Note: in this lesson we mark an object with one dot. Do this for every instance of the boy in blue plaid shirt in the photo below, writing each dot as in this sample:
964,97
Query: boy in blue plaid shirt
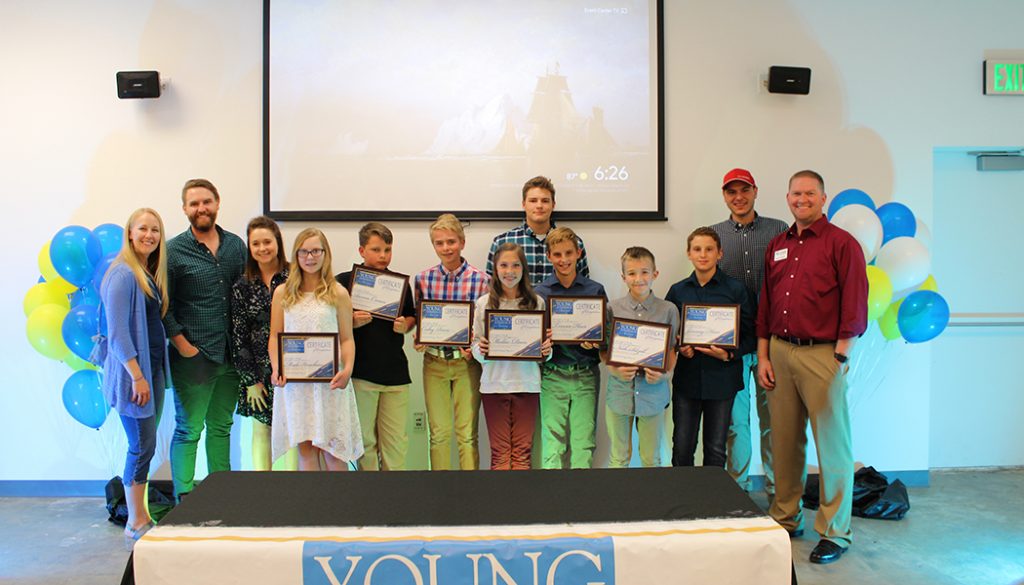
538,204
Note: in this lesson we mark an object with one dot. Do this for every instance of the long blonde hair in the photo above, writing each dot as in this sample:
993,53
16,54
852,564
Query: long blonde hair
325,290
156,264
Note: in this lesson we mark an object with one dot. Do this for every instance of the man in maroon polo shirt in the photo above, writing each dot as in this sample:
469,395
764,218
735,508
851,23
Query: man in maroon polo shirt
813,304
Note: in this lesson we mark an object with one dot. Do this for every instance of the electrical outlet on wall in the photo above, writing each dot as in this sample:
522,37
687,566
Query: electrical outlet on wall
419,421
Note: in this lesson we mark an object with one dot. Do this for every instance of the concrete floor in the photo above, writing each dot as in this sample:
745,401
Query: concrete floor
966,528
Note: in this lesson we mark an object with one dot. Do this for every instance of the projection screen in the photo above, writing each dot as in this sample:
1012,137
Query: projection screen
409,108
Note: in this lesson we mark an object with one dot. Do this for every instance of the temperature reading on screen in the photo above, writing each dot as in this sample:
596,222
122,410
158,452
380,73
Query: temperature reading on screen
611,173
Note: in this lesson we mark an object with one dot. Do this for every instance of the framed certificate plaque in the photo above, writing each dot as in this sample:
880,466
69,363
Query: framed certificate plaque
446,323
307,357
514,335
640,343
576,319
378,292
705,325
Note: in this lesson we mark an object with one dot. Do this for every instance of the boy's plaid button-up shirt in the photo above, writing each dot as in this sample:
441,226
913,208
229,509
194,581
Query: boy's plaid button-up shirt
466,283
536,253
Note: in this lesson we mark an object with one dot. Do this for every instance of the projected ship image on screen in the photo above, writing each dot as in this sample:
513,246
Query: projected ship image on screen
401,107
552,137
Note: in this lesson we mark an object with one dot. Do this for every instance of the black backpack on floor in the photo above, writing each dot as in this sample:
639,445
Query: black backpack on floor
161,500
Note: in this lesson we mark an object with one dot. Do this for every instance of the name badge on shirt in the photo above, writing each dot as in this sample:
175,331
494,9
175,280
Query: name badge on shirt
781,254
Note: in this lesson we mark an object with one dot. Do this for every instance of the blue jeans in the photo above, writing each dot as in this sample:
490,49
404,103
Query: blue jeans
141,433
738,444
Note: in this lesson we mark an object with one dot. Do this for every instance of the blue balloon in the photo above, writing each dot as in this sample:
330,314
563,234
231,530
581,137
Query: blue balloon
111,236
849,197
101,270
83,398
79,326
897,221
87,295
923,315
74,252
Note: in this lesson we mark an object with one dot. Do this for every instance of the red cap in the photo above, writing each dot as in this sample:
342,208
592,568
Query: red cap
742,175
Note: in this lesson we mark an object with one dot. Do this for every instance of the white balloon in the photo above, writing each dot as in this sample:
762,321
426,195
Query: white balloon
863,224
906,260
924,234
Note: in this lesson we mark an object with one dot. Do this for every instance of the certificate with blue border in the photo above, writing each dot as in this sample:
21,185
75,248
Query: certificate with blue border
705,325
640,343
445,323
378,292
514,335
576,319
307,357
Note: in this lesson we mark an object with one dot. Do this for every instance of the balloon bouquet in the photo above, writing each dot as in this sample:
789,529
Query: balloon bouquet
902,294
65,312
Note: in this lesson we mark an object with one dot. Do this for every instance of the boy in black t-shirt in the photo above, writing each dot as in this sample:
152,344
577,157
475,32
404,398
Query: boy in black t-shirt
381,372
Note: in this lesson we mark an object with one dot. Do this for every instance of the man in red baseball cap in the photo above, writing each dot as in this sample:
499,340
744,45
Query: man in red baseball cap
745,236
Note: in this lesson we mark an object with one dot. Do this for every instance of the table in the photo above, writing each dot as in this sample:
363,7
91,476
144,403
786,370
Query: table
601,526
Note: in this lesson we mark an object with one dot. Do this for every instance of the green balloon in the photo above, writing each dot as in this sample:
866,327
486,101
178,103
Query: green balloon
879,292
887,322
44,331
77,364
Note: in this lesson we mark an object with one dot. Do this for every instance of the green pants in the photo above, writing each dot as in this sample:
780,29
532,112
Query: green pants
568,414
205,396
651,431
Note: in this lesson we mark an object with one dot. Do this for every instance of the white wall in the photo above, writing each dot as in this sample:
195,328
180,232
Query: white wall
890,82
976,393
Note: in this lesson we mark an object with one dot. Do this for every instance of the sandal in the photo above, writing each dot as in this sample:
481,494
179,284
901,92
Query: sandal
131,536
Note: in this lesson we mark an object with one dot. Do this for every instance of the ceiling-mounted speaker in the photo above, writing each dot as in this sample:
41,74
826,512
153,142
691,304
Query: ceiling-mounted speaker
793,80
138,84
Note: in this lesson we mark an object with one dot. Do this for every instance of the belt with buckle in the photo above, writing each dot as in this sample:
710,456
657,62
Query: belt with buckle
807,342
445,353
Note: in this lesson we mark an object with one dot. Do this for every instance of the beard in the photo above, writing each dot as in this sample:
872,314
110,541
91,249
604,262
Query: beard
203,222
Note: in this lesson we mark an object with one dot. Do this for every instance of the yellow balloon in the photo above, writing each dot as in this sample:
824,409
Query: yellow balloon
929,284
76,363
879,292
887,322
50,274
43,330
44,293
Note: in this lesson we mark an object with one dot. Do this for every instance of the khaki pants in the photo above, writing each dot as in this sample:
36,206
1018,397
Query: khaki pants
810,385
383,411
651,431
447,385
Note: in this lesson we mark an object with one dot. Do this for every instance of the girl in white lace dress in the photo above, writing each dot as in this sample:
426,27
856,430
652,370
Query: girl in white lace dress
319,418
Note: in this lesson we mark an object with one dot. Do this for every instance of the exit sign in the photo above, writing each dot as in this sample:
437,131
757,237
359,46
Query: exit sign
1004,78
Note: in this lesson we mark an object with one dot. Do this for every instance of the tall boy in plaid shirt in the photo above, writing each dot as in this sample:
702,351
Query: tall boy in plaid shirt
451,377
538,204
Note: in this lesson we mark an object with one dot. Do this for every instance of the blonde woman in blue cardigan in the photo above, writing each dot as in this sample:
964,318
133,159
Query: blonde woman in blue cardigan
135,367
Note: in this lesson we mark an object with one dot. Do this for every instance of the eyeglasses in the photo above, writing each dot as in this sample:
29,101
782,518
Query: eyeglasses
314,253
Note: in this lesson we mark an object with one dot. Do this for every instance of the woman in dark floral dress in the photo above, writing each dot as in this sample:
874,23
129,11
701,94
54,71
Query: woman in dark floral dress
265,268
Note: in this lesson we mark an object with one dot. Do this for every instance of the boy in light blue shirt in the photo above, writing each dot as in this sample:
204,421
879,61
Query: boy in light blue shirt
639,393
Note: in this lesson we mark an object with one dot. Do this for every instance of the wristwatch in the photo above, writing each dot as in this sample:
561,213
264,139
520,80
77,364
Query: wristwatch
840,357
